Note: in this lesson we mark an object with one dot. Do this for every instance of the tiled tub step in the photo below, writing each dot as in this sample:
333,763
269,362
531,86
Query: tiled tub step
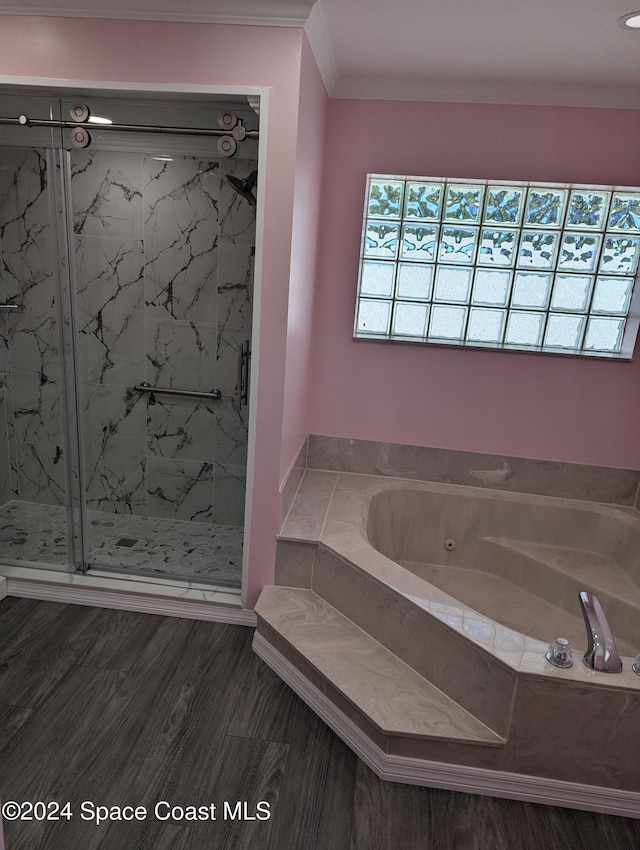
368,681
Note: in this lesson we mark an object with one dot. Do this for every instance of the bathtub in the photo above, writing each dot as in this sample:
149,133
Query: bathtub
467,587
519,560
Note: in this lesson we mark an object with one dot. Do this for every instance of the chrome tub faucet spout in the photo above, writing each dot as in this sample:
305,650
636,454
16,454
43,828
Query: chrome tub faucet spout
601,653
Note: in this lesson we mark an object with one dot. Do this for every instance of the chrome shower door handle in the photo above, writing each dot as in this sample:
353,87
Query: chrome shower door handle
242,381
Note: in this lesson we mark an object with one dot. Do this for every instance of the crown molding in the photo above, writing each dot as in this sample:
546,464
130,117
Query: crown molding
320,43
430,89
276,13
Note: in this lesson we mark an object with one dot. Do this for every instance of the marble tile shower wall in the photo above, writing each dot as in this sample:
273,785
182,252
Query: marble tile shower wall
164,277
31,426
164,259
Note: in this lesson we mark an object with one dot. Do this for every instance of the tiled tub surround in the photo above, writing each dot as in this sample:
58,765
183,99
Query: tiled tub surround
474,469
574,726
164,256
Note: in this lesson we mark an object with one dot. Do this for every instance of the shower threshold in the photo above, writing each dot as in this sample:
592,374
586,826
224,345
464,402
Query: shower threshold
122,543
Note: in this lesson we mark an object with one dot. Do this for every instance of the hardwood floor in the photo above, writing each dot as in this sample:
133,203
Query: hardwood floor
117,708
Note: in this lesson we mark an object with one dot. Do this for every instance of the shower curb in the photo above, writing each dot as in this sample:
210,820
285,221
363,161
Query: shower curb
144,602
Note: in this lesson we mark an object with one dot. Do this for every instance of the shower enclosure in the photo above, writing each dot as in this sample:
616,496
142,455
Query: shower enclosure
126,293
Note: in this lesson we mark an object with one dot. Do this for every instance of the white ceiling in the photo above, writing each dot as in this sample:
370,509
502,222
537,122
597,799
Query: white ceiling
564,52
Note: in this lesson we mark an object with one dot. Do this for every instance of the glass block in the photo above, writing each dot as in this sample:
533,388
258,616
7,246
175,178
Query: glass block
571,292
414,281
531,290
587,209
423,200
524,328
381,239
463,203
579,252
625,212
447,322
452,284
620,254
545,207
492,287
497,247
604,334
564,331
458,244
373,316
410,319
504,204
385,198
419,242
486,325
537,250
377,279
612,295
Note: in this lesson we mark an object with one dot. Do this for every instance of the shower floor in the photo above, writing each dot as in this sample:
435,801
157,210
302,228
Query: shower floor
145,545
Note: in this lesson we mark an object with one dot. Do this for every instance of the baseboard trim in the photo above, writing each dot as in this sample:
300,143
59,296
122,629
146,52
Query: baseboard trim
472,780
145,602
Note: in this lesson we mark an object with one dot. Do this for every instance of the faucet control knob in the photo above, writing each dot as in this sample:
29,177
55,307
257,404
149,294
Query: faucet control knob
560,653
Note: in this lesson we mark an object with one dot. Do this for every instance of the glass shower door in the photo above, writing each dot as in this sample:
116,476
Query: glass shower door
38,485
162,280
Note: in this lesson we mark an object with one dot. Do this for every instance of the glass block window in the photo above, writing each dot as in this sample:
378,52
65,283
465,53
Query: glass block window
499,264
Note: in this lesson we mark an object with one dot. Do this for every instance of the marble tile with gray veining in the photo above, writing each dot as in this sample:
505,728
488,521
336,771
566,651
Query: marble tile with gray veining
36,408
41,474
110,307
522,475
34,341
114,431
106,190
182,428
235,286
112,350
25,232
109,275
229,493
181,355
181,237
231,431
180,489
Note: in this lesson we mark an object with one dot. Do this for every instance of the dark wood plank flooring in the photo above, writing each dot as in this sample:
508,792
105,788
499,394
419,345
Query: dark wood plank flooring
118,708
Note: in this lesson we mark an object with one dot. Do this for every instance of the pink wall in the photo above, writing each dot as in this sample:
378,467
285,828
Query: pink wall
202,54
314,105
551,407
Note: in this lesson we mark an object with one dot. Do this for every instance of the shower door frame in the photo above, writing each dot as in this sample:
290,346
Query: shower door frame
88,88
